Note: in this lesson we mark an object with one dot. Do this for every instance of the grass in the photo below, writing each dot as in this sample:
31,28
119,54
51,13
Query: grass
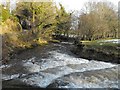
54,41
15,40
41,41
105,47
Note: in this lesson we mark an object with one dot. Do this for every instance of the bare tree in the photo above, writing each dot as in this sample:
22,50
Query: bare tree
98,20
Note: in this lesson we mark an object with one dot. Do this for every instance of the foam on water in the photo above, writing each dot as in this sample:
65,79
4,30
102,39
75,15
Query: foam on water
57,65
8,77
112,41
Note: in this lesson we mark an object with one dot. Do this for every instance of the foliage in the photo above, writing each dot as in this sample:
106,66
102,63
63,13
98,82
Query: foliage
63,21
31,24
4,13
99,20
34,23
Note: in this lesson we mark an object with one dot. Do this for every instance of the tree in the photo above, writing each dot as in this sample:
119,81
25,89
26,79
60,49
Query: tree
98,20
5,13
40,16
63,21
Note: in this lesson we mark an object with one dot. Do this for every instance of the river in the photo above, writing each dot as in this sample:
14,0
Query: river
55,66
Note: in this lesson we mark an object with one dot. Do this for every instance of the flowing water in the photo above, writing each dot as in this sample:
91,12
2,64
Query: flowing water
56,67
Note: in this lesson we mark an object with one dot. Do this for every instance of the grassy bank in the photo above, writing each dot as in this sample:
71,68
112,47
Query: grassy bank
103,50
15,40
101,46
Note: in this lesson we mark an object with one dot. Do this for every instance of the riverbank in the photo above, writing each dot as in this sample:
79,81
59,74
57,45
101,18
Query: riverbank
102,50
11,48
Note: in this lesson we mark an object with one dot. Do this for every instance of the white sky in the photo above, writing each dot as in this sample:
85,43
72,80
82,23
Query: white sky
71,5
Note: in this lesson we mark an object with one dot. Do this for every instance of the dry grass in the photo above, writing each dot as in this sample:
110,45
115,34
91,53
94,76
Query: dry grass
14,38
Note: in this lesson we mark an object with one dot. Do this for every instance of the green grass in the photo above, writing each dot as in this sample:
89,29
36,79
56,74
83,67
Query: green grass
106,47
54,41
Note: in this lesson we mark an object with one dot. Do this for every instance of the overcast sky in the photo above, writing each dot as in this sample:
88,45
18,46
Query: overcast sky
71,5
